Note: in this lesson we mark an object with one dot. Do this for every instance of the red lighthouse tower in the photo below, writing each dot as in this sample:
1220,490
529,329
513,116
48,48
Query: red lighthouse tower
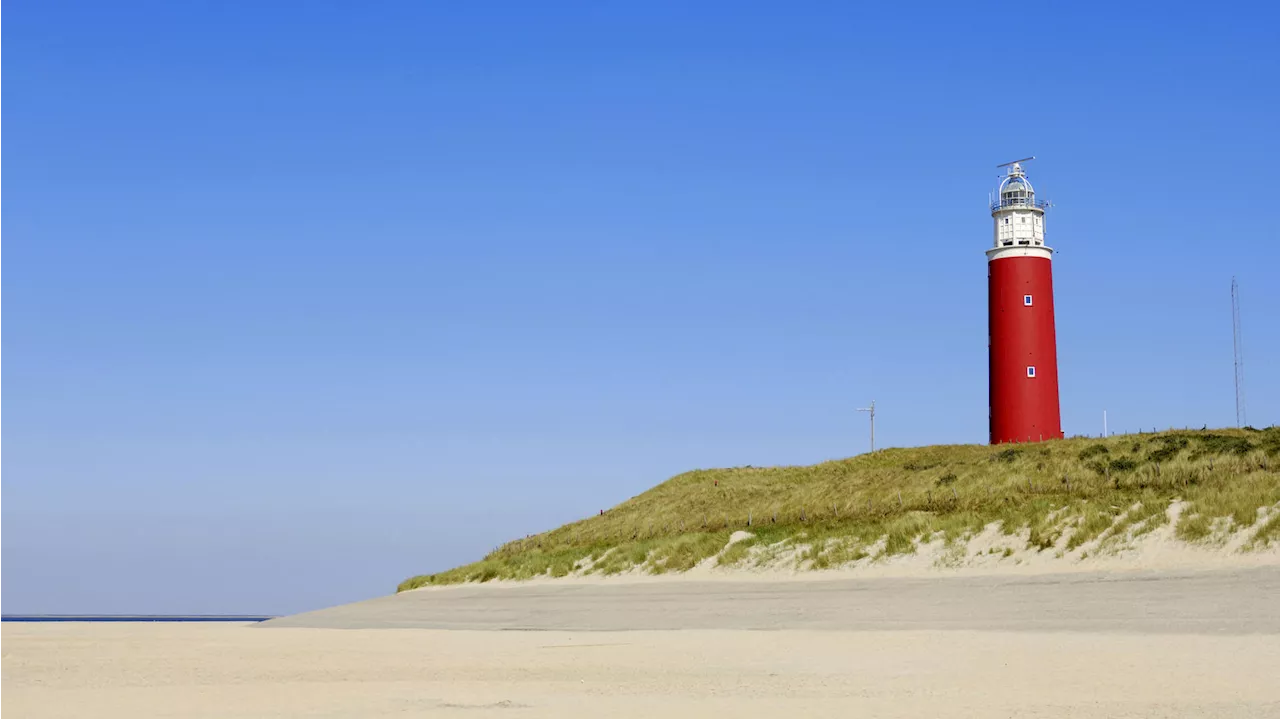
1023,349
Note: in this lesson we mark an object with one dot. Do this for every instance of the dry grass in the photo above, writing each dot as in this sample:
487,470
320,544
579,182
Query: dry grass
843,507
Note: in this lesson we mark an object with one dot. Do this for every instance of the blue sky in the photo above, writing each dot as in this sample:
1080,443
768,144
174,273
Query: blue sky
305,299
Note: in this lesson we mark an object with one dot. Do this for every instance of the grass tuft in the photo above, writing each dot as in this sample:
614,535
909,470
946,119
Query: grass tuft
1267,533
1092,451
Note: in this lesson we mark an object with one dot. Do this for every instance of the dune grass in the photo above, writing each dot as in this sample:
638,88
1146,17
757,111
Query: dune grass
889,500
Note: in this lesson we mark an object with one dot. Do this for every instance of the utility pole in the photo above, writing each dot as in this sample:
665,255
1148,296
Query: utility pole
872,411
1237,345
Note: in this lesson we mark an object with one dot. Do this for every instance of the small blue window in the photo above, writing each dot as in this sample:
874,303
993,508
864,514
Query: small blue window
1026,300
1031,371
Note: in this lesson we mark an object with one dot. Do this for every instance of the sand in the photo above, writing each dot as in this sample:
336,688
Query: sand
1227,601
202,670
1145,628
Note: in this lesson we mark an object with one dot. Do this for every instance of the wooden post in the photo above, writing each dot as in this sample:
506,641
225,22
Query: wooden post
954,496
899,497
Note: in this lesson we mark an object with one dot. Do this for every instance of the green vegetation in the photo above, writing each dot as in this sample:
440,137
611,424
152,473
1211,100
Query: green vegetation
735,553
1063,494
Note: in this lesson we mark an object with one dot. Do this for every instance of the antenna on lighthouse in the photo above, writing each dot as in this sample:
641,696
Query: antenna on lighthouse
1016,162
1237,346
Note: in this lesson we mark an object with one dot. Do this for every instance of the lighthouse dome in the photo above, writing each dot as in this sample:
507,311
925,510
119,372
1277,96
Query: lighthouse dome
1016,188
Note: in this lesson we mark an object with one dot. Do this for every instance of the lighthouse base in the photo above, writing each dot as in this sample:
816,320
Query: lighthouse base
1023,348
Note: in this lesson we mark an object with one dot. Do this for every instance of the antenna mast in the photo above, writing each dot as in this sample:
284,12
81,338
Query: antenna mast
872,411
1237,346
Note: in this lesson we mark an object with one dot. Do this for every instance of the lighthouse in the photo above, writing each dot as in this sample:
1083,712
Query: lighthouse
1023,351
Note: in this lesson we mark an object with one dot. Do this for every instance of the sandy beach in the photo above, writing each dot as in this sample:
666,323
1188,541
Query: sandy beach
165,670
1225,601
1211,648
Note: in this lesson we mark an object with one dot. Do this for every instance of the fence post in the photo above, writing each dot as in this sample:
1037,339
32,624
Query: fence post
748,518
954,496
899,497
